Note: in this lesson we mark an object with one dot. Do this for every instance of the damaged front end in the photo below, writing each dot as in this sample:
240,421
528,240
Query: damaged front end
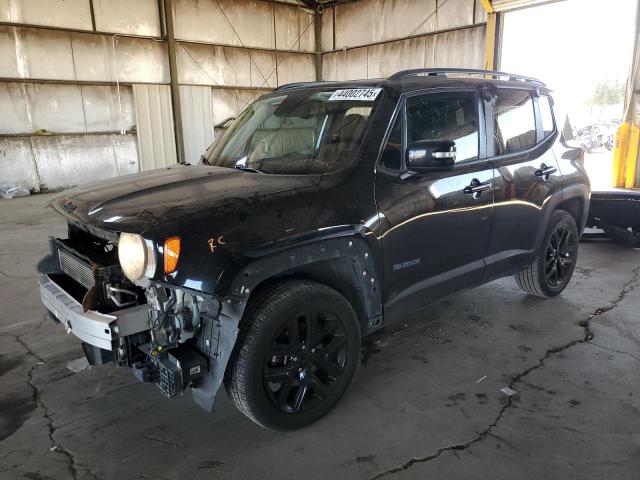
173,337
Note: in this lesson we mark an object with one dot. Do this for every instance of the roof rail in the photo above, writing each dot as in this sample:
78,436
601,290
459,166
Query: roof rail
443,72
287,86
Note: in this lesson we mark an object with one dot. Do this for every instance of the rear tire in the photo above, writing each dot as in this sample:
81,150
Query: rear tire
550,272
297,351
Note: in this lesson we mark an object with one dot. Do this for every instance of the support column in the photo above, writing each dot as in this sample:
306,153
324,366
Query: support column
492,45
626,161
317,25
173,72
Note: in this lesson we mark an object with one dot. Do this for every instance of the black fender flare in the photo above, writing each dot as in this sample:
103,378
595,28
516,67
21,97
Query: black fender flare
579,191
576,191
347,256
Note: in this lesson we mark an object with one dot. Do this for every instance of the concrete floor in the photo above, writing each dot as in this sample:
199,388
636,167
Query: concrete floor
418,407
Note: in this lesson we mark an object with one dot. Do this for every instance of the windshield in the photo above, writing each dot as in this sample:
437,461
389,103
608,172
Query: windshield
299,132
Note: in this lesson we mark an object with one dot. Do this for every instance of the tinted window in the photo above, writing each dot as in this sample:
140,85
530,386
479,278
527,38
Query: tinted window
545,114
451,116
514,121
392,154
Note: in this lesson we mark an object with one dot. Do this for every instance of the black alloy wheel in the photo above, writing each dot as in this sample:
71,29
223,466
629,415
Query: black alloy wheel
305,361
550,272
297,350
561,253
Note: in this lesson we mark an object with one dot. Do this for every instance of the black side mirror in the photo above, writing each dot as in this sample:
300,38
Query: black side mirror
431,155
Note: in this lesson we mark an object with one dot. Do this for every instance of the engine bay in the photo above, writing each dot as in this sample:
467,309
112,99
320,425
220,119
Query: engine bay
169,350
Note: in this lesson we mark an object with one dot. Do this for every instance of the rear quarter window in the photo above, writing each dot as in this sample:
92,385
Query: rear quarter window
546,115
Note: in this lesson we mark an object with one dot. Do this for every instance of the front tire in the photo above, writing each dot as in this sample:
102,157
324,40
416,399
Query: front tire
297,351
550,272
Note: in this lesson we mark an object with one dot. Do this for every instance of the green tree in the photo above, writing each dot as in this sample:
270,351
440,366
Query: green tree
607,92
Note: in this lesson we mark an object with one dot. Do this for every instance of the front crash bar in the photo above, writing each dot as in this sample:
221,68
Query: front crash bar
99,329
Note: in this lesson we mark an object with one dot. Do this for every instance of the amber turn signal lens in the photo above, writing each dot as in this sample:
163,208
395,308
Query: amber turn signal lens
171,254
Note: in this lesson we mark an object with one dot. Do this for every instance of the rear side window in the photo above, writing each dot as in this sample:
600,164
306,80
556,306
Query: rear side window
545,114
450,116
513,121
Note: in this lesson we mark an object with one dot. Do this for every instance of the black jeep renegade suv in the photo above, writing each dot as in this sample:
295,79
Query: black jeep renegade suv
323,211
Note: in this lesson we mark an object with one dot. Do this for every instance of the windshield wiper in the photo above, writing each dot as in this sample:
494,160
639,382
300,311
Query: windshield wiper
242,165
248,169
224,123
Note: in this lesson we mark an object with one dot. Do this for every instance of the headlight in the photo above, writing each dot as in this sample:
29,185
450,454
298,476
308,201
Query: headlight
136,257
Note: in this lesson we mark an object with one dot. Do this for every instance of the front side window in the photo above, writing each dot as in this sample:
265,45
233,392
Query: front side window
545,114
392,153
450,116
513,121
298,132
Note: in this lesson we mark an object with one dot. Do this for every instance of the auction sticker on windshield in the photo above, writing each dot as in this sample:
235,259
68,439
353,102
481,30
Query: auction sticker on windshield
361,94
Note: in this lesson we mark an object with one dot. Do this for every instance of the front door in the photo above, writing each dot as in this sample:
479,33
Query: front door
435,225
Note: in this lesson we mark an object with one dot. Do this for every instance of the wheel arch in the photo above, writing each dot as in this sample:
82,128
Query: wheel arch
346,264
575,200
578,207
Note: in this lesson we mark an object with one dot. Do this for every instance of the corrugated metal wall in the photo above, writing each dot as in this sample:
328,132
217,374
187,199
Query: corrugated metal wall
376,38
69,71
156,141
197,120
67,79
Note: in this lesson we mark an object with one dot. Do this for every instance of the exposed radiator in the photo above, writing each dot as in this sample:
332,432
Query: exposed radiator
76,268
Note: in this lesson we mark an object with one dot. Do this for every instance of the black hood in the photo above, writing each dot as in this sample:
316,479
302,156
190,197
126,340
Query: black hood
135,203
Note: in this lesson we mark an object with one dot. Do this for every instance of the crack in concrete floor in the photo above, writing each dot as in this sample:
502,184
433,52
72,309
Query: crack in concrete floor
47,414
622,352
629,286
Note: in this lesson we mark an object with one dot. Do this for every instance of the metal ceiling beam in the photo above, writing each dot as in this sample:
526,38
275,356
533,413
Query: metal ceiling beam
507,5
314,4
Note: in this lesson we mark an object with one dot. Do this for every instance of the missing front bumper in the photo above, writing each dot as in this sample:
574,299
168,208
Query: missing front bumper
202,370
98,329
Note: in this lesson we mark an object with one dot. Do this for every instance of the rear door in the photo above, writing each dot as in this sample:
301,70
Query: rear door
526,174
435,230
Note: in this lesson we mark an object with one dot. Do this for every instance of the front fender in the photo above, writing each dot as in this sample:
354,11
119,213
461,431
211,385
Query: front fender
346,258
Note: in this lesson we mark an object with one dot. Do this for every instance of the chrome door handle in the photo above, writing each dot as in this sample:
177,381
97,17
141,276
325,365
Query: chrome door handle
476,187
544,172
